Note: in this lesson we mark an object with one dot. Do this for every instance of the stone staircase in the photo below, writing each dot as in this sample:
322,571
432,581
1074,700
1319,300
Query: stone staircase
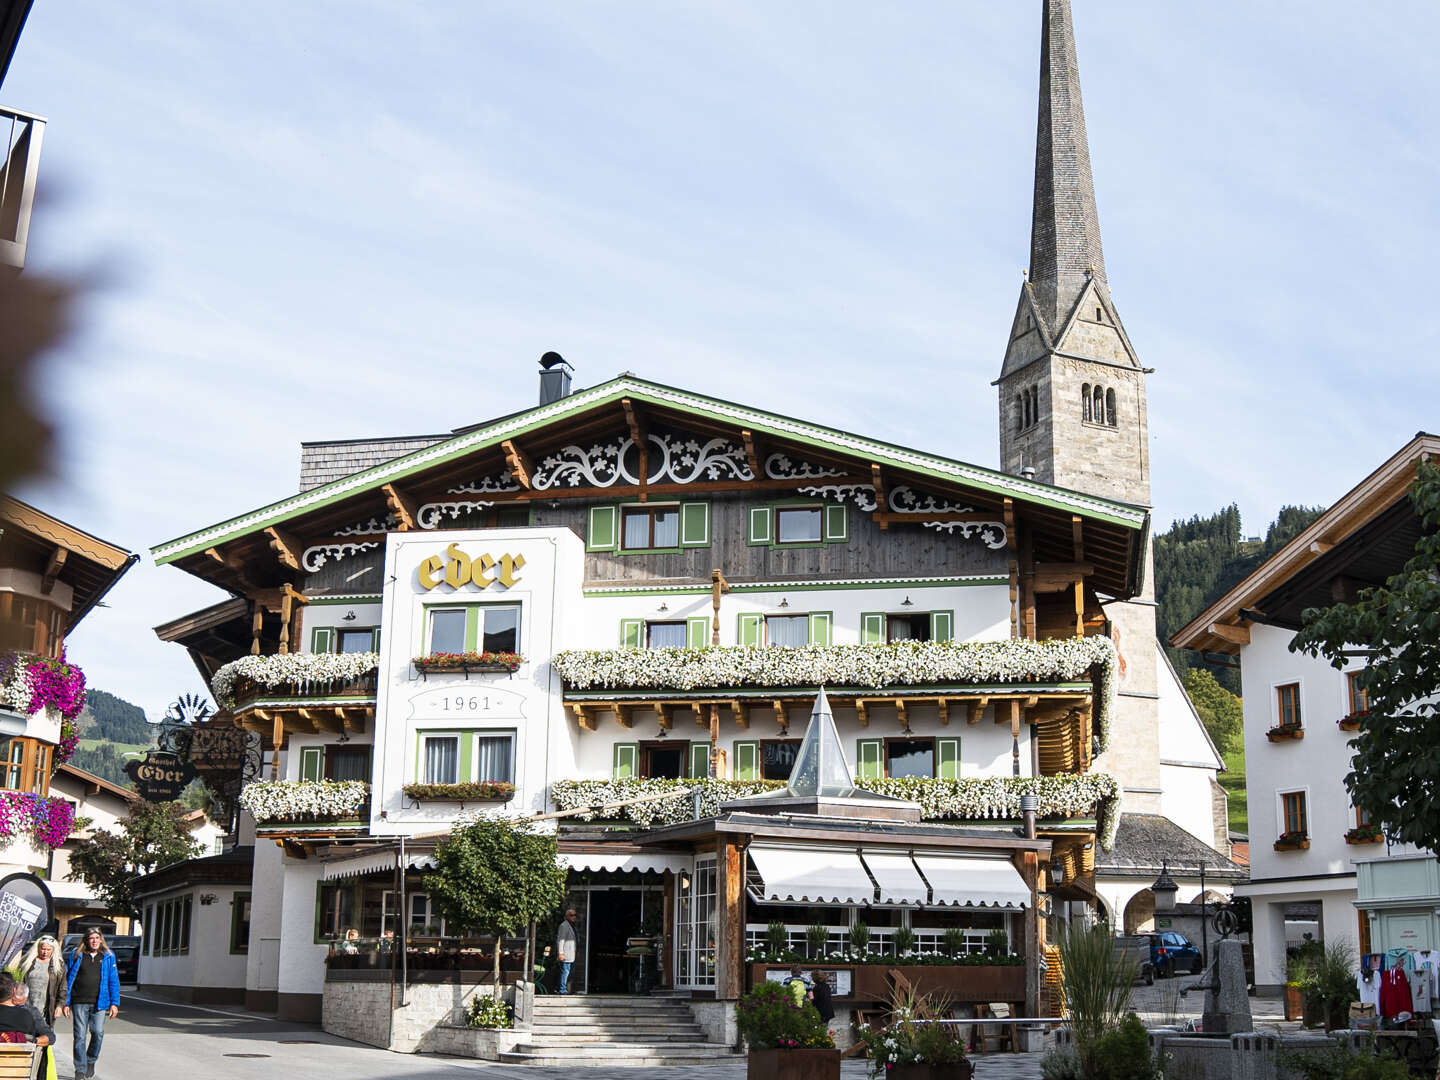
579,1030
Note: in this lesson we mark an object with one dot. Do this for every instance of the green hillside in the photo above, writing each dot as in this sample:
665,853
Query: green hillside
110,727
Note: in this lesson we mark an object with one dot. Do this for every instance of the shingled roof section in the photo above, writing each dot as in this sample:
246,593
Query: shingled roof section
1145,842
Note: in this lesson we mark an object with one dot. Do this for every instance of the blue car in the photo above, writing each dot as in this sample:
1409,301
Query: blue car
1172,954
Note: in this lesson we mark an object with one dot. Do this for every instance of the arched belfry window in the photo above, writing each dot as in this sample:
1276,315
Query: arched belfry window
1085,406
1099,405
1110,408
1019,414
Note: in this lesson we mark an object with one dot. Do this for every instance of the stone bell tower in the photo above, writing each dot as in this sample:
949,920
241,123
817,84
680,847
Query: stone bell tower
1072,390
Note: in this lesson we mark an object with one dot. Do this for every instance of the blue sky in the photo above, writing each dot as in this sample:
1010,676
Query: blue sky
334,220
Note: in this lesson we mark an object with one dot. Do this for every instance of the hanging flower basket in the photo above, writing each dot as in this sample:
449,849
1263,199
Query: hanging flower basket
1282,732
1292,841
469,663
31,683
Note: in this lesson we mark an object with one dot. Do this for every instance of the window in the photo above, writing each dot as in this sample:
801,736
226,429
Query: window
499,629
1292,809
424,920
1098,408
172,926
1359,696
1110,417
25,765
240,923
442,759
876,627
909,757
1288,702
1087,407
447,630
797,525
347,763
353,641
337,911
1019,415
665,635
495,758
777,758
787,631
145,930
1363,818
646,528
669,759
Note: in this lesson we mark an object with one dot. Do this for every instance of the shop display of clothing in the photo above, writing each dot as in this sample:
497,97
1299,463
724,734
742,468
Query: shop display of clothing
1395,997
1420,988
1367,987
1429,962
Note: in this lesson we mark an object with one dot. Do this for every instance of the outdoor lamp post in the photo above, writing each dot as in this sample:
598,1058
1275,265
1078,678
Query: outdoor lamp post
1164,889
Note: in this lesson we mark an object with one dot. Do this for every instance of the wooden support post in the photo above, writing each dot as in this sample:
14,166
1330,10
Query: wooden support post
277,739
640,436
861,712
1027,864
257,622
1077,537
714,728
752,457
900,713
1027,585
1015,735
1079,607
286,607
664,712
782,719
699,712
943,705
977,709
877,478
730,937
718,585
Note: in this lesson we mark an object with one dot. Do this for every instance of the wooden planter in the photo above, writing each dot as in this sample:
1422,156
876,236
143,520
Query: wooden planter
1364,839
1282,734
1348,723
1292,845
426,669
793,1065
962,1070
1294,1003
966,983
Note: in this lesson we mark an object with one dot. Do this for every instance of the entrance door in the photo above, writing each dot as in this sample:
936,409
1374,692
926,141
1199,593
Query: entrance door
614,916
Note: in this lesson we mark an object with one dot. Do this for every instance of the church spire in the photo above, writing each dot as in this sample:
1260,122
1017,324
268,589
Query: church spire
1065,227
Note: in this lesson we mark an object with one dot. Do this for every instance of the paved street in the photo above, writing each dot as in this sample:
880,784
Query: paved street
150,1039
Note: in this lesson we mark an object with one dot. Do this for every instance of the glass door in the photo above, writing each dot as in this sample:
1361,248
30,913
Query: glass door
695,927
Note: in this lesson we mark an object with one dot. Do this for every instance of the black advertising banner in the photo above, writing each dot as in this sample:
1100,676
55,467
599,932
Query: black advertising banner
25,910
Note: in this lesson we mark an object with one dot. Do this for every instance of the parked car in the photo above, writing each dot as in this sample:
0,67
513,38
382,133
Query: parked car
1136,949
125,947
1173,953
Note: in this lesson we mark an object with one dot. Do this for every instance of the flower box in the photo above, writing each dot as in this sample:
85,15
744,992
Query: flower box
793,1065
278,802
1292,842
959,982
1284,732
295,675
1353,721
1364,834
482,792
476,663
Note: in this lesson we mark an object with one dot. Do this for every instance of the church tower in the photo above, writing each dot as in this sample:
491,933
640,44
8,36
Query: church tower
1072,390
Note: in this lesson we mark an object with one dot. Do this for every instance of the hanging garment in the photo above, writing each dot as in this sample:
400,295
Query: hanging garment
1367,986
1429,962
1395,994
1420,988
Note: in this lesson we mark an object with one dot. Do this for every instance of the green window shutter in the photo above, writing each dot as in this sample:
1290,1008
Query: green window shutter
312,763
697,632
947,759
872,628
869,759
820,627
757,527
626,761
375,640
322,639
747,760
699,760
942,625
603,531
632,633
751,629
695,524
837,523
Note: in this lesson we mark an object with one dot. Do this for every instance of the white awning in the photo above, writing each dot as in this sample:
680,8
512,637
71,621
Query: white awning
812,875
374,862
973,881
585,860
900,882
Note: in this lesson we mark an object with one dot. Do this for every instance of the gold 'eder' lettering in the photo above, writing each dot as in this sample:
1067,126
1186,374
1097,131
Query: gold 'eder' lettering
460,569
428,569
509,565
480,573
457,567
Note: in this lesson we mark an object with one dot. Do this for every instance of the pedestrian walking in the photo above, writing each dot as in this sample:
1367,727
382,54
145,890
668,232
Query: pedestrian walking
93,991
43,970
565,947
824,999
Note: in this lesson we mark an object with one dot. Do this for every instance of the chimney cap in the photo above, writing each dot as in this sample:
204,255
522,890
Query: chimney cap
1028,472
553,359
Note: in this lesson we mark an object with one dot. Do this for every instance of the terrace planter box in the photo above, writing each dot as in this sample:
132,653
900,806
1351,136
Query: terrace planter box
427,666
962,1070
1283,734
1353,838
793,1065
960,982
461,793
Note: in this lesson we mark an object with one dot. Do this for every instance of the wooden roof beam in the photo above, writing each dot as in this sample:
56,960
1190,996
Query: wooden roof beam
584,720
287,549
782,718
520,464
943,705
624,716
402,506
699,712
741,713
1077,537
977,709
53,567
666,714
861,712
902,714
752,453
877,478
1236,635
640,436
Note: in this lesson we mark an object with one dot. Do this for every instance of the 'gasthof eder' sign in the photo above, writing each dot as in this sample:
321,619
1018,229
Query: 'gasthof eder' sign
457,569
160,776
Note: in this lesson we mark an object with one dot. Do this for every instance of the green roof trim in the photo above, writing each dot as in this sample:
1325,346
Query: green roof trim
773,424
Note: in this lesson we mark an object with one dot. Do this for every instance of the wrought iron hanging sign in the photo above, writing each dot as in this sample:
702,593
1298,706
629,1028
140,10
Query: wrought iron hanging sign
160,776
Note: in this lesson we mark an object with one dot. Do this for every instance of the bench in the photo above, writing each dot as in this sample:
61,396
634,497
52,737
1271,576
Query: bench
19,1061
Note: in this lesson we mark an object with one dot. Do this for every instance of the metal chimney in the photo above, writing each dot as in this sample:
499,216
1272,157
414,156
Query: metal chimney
554,378
1028,472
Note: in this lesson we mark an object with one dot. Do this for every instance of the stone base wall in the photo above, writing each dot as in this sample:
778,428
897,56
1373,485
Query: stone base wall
717,1020
430,1022
471,1042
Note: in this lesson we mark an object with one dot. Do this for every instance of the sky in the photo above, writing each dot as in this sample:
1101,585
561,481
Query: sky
346,219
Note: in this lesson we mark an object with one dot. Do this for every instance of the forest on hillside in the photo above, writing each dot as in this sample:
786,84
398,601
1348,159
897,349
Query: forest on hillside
1198,560
110,727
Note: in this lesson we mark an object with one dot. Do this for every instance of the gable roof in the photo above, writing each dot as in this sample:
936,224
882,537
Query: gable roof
575,417
31,539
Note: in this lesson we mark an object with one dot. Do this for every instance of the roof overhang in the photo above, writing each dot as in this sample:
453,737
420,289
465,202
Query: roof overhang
34,540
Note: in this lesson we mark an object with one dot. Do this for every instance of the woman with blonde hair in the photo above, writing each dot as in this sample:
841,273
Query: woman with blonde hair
42,968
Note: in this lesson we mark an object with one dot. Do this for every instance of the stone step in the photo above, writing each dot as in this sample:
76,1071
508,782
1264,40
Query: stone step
667,1030
575,1001
560,1039
629,1056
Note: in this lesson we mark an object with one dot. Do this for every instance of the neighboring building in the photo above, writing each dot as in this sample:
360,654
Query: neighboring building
583,538
23,134
99,806
51,576
1307,838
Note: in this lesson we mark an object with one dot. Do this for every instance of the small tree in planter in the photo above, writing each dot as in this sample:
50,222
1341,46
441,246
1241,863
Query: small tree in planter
777,939
954,942
860,938
786,1040
997,943
497,877
817,937
904,940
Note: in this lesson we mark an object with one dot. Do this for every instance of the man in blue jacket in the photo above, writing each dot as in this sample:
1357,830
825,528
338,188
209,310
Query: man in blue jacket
93,994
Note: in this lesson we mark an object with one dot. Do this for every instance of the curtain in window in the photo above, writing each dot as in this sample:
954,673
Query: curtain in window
637,530
667,635
495,756
667,528
792,631
442,761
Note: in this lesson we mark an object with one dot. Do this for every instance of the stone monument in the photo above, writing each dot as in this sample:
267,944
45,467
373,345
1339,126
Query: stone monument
1227,1005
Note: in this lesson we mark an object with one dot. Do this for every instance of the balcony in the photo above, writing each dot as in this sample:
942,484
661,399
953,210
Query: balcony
40,697
299,692
17,182
308,808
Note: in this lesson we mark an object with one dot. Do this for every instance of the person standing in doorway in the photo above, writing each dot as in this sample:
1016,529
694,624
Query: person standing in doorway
93,990
565,947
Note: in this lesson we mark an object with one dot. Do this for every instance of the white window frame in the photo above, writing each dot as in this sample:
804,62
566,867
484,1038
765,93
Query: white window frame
425,737
818,511
495,733
1280,794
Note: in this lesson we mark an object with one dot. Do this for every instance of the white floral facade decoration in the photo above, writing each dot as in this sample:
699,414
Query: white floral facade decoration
869,667
676,459
298,672
979,798
304,800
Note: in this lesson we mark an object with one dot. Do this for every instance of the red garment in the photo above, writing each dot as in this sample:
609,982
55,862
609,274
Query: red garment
1395,993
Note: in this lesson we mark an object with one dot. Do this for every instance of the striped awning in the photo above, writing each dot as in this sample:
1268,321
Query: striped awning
625,861
371,861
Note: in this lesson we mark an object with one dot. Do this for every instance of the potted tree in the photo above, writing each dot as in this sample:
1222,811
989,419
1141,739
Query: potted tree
912,1046
787,1040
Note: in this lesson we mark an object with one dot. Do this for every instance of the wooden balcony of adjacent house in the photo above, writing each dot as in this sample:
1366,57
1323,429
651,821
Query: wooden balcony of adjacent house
17,182
300,813
302,693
